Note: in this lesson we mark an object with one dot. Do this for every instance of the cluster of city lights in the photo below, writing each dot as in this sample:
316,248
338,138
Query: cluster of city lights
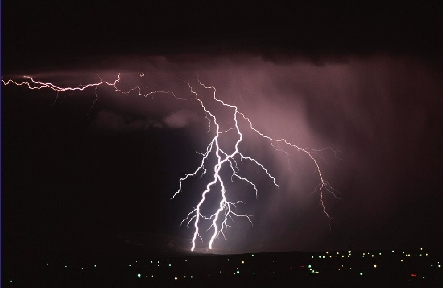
178,268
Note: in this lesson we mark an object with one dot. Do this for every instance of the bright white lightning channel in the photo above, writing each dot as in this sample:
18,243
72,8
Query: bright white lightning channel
226,209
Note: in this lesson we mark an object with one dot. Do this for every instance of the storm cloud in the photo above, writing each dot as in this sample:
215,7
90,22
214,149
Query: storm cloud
374,125
381,117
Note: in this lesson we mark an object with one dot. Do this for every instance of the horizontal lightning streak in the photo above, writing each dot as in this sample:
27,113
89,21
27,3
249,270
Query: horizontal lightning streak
37,85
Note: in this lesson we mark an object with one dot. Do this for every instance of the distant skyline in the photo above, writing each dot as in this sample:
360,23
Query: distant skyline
81,170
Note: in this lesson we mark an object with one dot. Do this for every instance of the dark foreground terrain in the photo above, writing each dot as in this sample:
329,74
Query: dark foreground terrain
395,268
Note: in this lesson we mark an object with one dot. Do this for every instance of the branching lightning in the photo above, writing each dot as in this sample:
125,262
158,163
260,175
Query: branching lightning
226,210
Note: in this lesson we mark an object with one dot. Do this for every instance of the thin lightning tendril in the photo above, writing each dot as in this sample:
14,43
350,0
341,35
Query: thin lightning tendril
226,210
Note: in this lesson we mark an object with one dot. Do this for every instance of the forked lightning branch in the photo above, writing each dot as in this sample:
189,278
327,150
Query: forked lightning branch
224,213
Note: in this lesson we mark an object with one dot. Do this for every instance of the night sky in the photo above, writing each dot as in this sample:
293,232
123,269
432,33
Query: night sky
84,172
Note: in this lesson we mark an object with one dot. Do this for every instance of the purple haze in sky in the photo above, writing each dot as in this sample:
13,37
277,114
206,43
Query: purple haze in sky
382,115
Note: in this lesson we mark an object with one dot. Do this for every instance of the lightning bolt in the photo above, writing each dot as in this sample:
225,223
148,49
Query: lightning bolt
38,85
226,210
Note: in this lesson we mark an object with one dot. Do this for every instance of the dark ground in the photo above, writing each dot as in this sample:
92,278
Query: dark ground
409,268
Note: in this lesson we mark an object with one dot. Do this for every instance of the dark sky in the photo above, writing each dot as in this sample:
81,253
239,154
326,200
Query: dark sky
80,171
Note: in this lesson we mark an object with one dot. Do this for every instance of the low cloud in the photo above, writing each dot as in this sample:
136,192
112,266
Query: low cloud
110,121
180,119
